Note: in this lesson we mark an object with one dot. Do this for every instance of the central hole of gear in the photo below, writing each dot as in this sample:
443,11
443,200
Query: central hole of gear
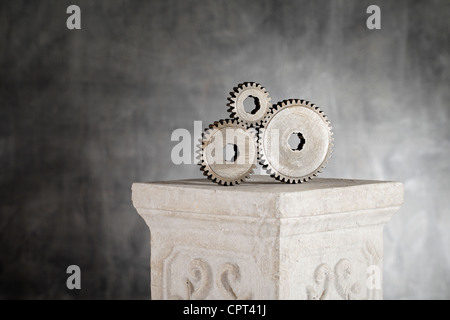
251,105
296,141
230,152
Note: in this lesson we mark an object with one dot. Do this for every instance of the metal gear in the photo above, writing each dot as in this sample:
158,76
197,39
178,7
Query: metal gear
236,103
306,123
215,140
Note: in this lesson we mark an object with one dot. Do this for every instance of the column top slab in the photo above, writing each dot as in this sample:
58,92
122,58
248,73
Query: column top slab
262,196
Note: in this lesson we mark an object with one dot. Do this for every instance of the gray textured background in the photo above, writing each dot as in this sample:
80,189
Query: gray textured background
85,113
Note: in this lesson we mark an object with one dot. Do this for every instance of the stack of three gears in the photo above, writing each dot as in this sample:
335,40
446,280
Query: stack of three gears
291,139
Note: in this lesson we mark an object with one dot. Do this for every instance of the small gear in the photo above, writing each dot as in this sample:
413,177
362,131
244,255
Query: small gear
304,122
219,139
261,99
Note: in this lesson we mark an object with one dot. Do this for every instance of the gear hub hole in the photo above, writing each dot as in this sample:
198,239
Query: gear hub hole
296,141
230,152
251,105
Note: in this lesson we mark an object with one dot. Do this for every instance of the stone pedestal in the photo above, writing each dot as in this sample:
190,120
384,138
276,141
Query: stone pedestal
265,239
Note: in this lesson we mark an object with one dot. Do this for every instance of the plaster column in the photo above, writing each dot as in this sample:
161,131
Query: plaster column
265,239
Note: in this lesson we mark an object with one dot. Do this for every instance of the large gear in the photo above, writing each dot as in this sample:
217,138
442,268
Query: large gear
213,162
306,122
261,99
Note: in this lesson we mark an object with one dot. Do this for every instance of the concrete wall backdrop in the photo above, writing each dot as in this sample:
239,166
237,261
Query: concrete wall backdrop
85,113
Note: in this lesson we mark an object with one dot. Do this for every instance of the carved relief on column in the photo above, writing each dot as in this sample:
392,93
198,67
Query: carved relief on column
345,287
196,274
197,282
323,276
345,278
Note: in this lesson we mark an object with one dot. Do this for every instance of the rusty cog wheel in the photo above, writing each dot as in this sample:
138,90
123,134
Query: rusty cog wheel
295,141
223,137
261,102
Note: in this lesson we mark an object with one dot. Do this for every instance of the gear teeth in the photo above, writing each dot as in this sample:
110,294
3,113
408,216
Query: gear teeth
236,108
198,153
